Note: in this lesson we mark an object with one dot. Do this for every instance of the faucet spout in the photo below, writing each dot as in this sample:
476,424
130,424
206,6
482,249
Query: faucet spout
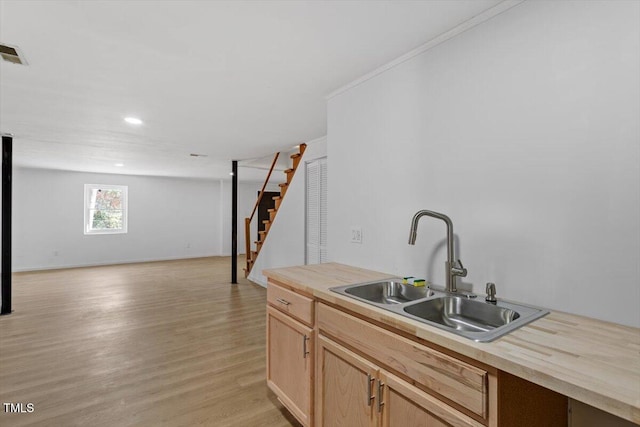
452,270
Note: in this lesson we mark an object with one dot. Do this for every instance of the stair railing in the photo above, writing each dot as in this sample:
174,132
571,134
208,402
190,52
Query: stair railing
247,221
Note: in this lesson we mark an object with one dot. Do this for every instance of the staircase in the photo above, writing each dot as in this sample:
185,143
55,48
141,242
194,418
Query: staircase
252,255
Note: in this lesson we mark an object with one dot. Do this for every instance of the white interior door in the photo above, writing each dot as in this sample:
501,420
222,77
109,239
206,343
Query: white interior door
316,211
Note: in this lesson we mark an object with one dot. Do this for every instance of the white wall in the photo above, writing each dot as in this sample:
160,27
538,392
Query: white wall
525,131
285,244
168,218
196,223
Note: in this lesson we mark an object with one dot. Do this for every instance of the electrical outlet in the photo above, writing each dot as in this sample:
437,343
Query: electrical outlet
356,234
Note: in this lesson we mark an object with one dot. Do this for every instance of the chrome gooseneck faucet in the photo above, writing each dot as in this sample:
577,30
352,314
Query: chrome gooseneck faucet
452,270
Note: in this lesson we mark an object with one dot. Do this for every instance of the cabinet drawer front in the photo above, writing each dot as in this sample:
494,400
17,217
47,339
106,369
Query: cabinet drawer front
294,304
451,378
405,405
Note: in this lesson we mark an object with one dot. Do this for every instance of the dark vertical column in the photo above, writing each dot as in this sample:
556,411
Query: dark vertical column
234,222
7,167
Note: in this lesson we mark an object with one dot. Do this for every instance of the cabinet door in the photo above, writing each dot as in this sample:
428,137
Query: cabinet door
345,387
290,363
404,405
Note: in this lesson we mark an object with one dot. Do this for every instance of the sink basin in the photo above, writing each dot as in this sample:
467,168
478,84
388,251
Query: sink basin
387,292
463,314
458,313
473,319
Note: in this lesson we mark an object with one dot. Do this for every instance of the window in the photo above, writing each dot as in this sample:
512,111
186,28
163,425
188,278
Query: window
105,209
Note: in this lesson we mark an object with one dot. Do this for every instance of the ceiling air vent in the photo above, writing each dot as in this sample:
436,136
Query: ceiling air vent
12,54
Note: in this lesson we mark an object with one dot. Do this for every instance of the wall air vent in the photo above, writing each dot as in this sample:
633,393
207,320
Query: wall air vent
12,54
198,155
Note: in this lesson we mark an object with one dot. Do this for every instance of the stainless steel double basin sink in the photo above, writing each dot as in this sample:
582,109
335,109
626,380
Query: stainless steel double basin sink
461,314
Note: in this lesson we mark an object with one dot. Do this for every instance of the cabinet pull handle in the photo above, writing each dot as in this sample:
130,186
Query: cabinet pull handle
304,347
283,301
380,389
370,395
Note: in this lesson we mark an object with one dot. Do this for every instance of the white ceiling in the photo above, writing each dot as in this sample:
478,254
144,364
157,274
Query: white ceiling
229,79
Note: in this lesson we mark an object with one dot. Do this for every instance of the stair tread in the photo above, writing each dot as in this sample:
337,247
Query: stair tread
266,221
289,170
272,210
284,184
276,197
295,155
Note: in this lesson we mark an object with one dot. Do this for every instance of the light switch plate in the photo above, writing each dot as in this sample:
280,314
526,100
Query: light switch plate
356,234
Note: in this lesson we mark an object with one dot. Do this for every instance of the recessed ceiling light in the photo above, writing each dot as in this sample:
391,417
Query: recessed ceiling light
119,164
133,120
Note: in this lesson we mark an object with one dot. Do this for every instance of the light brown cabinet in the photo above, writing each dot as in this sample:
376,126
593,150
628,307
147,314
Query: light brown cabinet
330,367
290,355
373,376
352,391
464,385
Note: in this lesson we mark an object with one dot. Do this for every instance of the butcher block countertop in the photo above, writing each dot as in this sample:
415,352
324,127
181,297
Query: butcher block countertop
592,361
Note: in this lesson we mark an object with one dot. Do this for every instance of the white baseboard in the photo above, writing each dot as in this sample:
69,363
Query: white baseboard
115,262
257,281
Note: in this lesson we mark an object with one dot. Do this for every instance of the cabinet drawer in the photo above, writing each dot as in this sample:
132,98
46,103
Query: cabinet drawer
405,404
449,377
294,304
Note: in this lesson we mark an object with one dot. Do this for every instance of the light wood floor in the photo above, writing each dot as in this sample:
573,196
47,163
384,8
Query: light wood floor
164,343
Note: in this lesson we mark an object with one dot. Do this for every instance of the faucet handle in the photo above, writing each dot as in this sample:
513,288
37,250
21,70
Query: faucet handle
459,271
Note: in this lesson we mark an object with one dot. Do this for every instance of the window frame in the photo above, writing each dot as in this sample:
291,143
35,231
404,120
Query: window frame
87,208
